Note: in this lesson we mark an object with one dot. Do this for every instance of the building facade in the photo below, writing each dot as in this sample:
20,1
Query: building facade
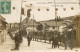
3,31
78,31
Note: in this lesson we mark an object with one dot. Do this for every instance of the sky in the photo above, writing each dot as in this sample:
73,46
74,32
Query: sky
43,5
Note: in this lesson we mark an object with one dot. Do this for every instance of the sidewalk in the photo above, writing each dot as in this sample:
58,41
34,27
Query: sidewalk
34,47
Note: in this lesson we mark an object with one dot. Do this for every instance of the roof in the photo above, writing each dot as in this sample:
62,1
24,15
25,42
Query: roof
2,19
62,21
52,23
32,23
25,20
48,22
69,18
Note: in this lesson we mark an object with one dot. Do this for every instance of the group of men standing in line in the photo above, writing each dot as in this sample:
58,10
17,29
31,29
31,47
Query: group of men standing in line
67,39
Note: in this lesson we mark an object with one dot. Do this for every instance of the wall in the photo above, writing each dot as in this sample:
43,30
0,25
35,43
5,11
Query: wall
3,34
78,32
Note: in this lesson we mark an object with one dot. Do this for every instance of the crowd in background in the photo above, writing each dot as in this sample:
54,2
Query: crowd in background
66,39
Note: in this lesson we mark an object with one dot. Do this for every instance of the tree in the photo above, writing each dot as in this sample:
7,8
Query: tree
40,27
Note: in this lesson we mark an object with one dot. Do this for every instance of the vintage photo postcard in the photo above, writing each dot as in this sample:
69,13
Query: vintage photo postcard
39,25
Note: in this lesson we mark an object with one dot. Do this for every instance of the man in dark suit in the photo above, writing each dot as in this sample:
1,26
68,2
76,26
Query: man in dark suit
55,41
29,38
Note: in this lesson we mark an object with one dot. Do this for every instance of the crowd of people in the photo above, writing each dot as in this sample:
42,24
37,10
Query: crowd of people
65,39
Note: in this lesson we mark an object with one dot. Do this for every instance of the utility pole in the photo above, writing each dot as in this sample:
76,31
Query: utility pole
20,19
33,22
33,27
56,16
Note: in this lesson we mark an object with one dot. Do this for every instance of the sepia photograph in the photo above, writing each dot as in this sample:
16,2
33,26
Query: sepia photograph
39,25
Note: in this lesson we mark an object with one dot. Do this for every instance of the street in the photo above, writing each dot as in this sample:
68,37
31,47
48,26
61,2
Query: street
40,26
34,47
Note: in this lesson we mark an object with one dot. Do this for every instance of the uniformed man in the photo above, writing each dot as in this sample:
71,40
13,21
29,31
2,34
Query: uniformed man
29,38
18,41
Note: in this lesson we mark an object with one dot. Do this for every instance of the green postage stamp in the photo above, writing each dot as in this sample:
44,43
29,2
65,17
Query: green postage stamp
5,6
